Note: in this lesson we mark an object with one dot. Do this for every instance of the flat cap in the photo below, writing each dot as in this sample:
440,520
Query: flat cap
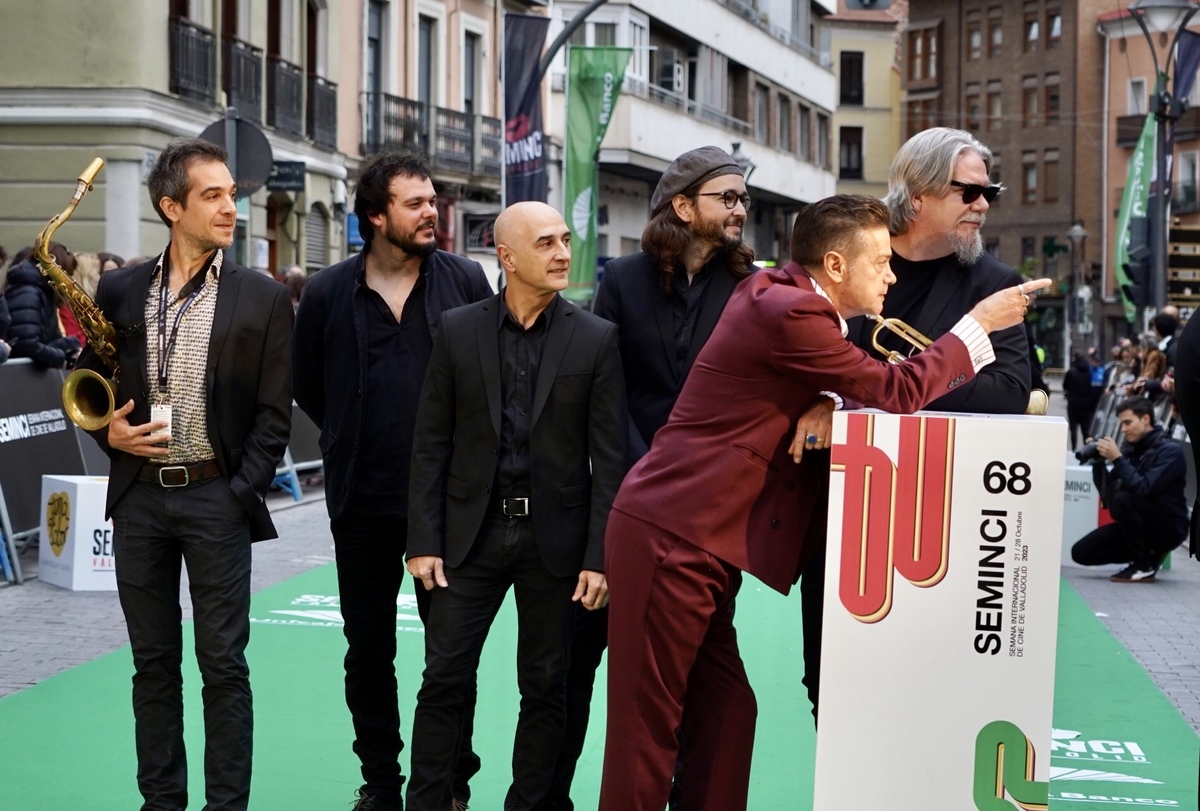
691,169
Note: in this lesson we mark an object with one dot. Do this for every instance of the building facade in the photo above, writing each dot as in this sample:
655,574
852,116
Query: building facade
753,79
867,122
1027,78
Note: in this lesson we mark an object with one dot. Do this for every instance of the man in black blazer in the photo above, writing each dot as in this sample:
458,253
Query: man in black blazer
364,332
520,447
665,301
205,395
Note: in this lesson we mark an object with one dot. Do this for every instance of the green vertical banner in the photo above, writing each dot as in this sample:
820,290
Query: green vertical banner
1133,204
594,80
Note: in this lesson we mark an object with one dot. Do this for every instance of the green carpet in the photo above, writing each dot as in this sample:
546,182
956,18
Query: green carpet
68,743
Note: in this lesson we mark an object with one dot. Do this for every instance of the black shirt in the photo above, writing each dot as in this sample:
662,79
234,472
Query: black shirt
397,357
685,309
906,297
520,356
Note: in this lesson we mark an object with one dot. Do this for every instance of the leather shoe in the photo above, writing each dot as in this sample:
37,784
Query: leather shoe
369,802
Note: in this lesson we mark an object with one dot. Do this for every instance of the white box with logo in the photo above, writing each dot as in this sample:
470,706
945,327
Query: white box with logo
1081,508
76,550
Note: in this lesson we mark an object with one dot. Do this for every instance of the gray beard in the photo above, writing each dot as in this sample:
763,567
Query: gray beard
967,250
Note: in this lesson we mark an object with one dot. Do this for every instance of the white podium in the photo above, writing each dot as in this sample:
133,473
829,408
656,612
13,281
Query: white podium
76,549
941,612
1081,508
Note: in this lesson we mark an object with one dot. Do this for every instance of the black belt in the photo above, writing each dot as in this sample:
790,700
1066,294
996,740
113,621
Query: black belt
179,475
513,507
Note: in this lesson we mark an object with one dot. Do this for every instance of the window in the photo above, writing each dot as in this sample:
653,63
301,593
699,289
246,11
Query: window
1137,97
1053,29
605,35
972,107
850,153
995,31
919,115
1028,249
1052,99
1050,176
426,59
1033,34
1029,177
852,78
992,246
471,50
974,36
994,108
785,124
822,140
1030,101
374,70
994,178
762,113
922,54
804,147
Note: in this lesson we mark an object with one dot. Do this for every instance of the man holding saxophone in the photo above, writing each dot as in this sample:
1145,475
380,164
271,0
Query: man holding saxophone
204,390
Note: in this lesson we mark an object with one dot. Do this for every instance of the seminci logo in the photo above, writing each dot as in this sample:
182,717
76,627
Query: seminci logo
1004,761
895,517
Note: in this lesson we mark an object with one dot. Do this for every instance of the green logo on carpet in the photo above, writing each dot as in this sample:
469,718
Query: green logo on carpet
1004,760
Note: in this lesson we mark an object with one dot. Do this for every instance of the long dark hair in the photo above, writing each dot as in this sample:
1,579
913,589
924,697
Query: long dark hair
666,237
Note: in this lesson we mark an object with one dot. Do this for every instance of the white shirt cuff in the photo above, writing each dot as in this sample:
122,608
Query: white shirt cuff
979,345
838,403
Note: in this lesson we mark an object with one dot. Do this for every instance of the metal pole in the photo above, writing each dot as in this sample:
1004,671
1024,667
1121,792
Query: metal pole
1158,211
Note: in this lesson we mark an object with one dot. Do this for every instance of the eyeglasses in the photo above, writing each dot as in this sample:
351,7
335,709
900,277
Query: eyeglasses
972,191
729,198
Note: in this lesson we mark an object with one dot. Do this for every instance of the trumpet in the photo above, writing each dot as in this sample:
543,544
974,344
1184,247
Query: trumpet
1039,401
88,398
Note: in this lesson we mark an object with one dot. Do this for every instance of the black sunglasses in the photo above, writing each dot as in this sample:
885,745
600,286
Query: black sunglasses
729,198
972,191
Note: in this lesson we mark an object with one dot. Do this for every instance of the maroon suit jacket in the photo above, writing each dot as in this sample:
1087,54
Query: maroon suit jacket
719,474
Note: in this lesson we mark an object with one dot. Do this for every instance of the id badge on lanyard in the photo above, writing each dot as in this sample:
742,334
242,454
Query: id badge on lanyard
160,410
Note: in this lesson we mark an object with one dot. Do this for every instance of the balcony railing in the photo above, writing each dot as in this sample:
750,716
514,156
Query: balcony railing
680,104
760,18
193,61
243,78
322,112
454,141
285,97
1129,129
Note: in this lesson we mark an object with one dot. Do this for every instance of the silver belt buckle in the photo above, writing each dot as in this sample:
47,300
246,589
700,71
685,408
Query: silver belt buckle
187,477
519,507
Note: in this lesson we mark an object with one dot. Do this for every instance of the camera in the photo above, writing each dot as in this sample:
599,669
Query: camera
1088,453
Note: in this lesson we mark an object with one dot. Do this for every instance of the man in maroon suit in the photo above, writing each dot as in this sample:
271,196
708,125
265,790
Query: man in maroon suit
719,494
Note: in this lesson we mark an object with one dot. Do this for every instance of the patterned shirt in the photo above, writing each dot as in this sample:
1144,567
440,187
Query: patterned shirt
187,363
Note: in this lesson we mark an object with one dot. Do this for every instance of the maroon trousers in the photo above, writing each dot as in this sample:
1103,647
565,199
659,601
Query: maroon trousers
674,671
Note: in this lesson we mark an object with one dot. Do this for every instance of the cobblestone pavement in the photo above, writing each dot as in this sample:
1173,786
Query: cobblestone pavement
45,630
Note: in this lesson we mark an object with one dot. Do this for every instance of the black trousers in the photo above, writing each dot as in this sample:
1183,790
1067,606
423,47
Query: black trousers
157,529
812,615
369,550
460,616
1138,535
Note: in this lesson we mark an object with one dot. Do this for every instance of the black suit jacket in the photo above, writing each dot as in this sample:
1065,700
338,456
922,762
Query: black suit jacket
1187,397
631,296
577,442
330,353
249,380
1002,387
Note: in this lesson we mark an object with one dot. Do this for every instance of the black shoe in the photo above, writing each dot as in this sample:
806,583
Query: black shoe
1133,573
458,805
369,802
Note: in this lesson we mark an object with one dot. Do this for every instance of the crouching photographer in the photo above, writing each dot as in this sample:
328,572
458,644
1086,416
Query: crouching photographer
1144,491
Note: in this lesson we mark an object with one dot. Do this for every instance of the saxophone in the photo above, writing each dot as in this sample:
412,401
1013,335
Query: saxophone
88,398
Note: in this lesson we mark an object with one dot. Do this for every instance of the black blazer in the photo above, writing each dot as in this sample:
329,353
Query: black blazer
249,379
577,442
1002,386
1187,397
330,353
631,296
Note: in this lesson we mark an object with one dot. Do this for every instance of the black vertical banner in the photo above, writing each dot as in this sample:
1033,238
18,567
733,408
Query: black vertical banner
524,157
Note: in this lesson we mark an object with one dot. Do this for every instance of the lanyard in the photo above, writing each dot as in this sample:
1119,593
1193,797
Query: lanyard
166,346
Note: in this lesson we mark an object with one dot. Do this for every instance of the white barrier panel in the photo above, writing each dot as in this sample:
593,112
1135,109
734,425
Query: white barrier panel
76,550
941,612
1081,509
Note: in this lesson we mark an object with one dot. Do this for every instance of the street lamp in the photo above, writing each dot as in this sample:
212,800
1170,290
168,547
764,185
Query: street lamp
1081,292
1161,17
742,160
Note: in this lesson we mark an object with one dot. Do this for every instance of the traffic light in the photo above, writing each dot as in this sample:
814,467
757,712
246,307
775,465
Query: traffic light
1137,289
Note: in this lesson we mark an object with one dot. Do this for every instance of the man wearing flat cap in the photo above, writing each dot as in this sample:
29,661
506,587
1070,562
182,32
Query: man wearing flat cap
665,301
